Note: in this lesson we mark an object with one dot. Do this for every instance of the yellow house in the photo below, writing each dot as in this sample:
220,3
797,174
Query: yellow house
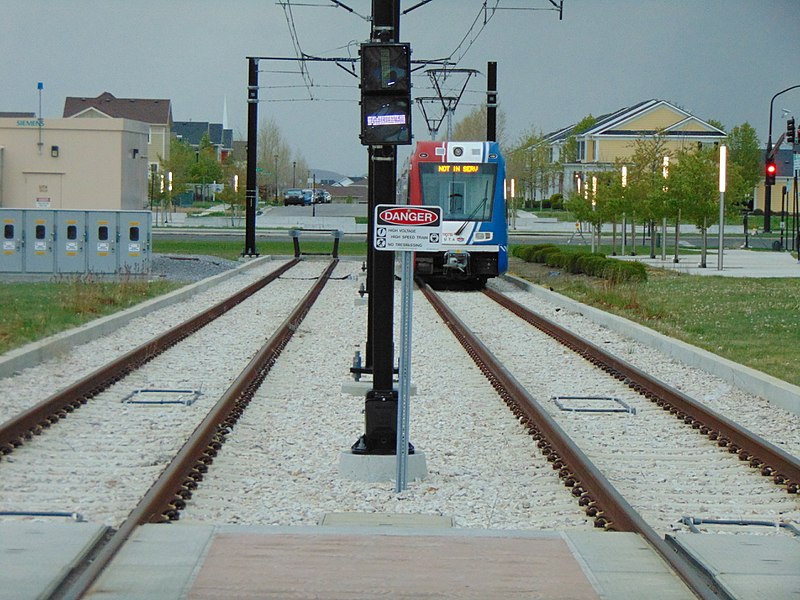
613,135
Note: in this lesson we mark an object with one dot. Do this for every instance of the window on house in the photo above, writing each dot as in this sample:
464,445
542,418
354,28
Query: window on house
581,150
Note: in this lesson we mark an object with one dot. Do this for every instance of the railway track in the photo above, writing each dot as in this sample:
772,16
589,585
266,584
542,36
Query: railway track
589,485
25,470
187,489
34,421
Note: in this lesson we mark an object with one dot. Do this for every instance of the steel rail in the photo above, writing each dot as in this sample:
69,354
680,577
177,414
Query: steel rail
34,420
167,496
758,452
599,498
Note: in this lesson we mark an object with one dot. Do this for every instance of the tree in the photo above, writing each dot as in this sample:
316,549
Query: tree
176,171
744,152
694,189
205,169
528,161
569,153
473,126
275,153
645,194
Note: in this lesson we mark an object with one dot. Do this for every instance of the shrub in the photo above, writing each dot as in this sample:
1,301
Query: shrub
557,202
596,264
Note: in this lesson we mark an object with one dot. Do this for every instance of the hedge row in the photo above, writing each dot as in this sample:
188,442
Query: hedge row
596,265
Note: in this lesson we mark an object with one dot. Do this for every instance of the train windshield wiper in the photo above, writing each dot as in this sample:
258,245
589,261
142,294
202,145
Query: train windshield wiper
480,206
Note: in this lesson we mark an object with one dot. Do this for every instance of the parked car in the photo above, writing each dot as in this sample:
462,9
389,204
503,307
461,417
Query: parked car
294,196
321,197
308,197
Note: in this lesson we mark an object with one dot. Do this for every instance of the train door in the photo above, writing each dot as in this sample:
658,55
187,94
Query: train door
101,242
70,241
39,241
12,238
134,242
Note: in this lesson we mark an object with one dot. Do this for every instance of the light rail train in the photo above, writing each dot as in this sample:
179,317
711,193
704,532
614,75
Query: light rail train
465,179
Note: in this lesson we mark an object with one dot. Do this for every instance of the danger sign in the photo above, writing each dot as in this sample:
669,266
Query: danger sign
407,228
410,215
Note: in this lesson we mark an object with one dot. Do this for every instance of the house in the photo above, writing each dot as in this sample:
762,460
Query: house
193,131
613,136
156,113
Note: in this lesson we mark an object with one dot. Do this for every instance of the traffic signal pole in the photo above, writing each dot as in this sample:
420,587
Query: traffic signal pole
768,186
251,195
380,412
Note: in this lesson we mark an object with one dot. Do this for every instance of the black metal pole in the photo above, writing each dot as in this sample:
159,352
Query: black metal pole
251,194
491,102
768,188
380,411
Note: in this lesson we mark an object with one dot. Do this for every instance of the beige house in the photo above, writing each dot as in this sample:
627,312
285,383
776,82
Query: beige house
73,163
612,138
157,113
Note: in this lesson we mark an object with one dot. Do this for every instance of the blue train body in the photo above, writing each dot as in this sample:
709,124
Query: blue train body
466,179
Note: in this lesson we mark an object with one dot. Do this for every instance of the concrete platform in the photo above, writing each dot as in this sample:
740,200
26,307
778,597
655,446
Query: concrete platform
754,568
167,562
35,556
356,556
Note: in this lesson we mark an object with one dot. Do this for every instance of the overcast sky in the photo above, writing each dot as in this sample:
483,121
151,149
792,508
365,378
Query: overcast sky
718,59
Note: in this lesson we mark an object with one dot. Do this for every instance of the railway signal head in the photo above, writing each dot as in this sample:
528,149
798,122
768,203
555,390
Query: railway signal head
770,171
385,94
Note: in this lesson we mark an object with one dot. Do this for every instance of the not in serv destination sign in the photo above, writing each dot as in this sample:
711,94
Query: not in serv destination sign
400,227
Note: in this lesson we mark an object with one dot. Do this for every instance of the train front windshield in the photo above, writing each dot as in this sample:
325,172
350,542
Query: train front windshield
463,190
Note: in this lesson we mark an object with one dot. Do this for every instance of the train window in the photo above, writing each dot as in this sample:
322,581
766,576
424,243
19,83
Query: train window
72,232
102,233
41,232
465,192
8,232
133,234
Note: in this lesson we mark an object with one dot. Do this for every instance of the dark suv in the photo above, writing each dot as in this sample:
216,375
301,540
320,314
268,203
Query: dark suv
293,196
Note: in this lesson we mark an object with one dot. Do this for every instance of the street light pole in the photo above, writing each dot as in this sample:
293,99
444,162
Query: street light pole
723,157
768,188
276,179
294,172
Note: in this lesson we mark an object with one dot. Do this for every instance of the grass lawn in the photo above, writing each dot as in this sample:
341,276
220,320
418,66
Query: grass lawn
32,311
755,322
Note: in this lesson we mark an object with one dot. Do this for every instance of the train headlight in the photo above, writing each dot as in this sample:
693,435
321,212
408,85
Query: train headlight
484,236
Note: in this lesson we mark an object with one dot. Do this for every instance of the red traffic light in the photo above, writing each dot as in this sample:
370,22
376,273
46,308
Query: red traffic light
770,172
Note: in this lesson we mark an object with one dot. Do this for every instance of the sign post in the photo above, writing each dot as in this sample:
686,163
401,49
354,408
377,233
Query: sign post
406,229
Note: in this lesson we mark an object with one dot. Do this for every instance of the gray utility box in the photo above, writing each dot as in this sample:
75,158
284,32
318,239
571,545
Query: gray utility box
75,241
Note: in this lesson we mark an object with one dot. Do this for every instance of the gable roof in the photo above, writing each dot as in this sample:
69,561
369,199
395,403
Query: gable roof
615,123
153,111
193,132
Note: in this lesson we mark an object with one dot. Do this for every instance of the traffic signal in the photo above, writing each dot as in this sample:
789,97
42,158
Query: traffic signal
770,171
790,131
385,94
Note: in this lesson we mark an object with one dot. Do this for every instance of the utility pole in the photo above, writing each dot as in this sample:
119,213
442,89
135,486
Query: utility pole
491,102
385,123
251,195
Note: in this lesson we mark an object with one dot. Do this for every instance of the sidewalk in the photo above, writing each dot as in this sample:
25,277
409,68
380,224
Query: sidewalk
735,263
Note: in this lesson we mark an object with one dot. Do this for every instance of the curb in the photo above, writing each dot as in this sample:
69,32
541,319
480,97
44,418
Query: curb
775,391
